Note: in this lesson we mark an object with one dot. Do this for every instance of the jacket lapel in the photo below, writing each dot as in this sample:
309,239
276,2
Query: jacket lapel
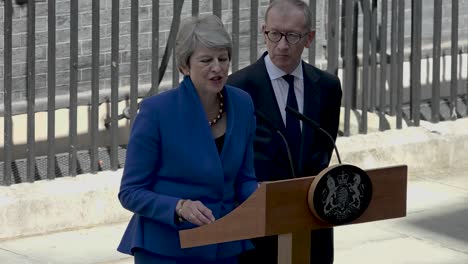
311,110
266,99
231,116
195,119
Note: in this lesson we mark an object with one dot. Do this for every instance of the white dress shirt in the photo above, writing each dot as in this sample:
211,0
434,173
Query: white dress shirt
281,87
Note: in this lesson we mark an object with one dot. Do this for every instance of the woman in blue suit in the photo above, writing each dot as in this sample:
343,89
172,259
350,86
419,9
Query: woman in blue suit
190,154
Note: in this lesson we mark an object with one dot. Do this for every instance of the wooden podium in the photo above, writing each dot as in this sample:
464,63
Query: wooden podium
282,208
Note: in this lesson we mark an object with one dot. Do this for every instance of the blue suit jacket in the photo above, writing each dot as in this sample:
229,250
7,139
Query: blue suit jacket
322,100
172,155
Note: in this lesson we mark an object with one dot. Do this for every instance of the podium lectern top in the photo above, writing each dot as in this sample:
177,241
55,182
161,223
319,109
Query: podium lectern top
282,207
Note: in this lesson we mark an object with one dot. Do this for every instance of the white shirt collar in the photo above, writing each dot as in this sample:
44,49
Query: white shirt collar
274,72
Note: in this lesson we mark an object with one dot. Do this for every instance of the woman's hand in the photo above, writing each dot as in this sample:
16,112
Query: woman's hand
195,212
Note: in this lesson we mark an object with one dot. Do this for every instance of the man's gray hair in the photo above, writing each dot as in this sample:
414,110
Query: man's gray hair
301,5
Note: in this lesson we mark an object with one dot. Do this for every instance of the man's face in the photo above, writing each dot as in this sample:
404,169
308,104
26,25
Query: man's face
284,55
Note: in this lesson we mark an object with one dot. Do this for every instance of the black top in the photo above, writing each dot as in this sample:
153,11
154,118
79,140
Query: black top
219,143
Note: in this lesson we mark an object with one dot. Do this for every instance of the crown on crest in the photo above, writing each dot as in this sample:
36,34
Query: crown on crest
342,178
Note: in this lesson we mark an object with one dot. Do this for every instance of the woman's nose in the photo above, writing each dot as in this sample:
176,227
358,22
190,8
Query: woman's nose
216,65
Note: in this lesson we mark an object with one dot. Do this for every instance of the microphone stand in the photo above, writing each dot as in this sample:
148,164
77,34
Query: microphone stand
277,130
315,125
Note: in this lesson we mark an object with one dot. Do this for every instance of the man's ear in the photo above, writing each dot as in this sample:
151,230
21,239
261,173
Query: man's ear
310,38
263,31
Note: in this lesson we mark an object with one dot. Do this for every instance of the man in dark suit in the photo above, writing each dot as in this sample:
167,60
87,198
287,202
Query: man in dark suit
284,147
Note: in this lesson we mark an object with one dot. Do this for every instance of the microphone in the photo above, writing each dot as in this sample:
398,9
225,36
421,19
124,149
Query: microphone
277,130
315,125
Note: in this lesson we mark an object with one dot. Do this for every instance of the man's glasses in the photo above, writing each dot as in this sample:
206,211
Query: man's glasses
291,37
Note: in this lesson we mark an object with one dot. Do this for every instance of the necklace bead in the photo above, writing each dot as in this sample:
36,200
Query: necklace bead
220,111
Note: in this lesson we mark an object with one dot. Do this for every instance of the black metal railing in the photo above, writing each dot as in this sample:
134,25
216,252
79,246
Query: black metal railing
365,42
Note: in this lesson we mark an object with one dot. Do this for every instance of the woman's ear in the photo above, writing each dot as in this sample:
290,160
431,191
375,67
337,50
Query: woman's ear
185,71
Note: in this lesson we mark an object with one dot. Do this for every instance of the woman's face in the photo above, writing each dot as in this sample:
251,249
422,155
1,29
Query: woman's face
208,69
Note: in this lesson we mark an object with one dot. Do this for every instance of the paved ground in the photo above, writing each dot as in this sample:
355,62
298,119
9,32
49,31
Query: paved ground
434,231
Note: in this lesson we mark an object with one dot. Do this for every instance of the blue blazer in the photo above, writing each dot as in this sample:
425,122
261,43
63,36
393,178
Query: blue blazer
172,155
322,100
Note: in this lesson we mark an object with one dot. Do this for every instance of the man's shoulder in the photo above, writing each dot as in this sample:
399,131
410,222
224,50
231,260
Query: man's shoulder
321,75
248,74
248,71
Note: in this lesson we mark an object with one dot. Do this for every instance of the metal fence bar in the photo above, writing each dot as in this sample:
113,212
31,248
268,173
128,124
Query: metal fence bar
253,30
217,7
175,20
383,65
454,60
235,35
7,86
73,116
332,37
400,61
169,50
114,115
416,28
195,7
312,48
155,49
365,64
373,45
348,64
354,58
51,62
31,92
93,125
435,106
392,82
134,8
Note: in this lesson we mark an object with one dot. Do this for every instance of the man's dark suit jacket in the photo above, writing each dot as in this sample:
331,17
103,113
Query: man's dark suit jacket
322,100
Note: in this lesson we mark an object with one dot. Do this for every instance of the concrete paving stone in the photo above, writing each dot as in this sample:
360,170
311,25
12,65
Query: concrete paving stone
448,228
121,261
400,251
7,257
84,246
349,236
435,229
430,195
456,177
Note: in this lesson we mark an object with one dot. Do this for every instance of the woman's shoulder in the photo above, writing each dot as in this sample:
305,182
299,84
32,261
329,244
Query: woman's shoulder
238,94
159,100
240,99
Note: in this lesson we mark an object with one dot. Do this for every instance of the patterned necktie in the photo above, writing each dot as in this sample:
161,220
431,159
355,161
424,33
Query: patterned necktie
293,127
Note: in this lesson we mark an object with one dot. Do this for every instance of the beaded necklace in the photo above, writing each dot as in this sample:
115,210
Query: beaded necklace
220,112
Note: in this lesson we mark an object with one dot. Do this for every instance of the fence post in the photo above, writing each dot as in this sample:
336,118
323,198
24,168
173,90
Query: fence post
454,60
416,23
